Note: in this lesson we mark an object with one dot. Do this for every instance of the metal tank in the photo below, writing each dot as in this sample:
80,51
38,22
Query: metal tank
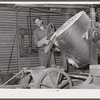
70,40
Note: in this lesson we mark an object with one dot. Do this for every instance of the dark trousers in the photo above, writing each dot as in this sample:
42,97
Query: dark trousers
46,59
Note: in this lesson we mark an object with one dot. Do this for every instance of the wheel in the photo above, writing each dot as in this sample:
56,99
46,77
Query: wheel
54,78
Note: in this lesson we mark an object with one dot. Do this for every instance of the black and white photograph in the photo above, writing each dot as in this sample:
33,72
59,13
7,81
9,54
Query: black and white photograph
49,46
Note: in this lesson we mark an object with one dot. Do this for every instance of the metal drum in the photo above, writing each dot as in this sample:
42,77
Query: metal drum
70,41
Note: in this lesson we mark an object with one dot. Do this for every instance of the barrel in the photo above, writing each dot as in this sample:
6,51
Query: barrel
70,40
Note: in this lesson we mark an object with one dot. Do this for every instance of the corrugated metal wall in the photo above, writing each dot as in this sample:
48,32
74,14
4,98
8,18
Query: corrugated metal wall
56,19
30,60
8,30
7,34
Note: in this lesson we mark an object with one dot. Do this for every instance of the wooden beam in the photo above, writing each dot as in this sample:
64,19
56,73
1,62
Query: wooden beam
53,5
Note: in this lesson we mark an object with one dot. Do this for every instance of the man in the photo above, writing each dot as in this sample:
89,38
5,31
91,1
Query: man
40,40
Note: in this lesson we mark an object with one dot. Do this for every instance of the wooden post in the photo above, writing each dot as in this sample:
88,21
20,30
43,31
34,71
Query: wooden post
17,32
30,32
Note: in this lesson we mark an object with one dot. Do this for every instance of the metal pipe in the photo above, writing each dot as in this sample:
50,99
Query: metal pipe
78,76
12,77
92,46
11,53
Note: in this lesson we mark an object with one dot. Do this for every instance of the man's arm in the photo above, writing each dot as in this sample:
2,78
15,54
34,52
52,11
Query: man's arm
41,42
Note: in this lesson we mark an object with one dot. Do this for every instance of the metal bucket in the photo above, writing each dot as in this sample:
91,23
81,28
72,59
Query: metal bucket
70,41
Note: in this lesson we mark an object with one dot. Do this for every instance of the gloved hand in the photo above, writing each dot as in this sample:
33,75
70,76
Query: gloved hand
44,40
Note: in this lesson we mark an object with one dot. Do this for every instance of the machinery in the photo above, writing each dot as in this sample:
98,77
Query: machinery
78,39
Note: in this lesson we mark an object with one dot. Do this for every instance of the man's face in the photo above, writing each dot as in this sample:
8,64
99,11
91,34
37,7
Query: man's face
38,22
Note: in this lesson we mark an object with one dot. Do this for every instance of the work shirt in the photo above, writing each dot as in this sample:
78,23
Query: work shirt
44,58
39,34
